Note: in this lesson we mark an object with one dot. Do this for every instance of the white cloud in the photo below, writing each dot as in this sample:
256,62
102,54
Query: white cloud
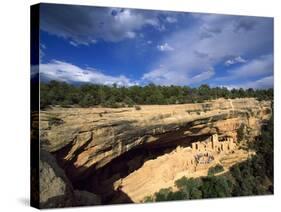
171,19
203,76
162,76
63,71
266,82
235,60
165,47
76,44
161,27
257,67
73,43
262,83
152,21
194,54
83,24
130,34
42,48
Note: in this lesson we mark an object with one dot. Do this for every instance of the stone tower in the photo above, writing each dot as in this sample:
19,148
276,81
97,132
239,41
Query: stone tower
215,138
215,141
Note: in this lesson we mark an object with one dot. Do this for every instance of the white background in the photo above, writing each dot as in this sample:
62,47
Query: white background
14,102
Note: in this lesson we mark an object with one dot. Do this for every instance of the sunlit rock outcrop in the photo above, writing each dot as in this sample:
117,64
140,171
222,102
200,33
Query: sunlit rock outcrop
104,145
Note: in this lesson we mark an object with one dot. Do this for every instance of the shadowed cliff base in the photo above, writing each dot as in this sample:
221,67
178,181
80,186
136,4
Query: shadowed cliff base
101,181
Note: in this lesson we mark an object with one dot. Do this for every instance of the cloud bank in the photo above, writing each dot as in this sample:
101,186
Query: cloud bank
63,71
211,41
187,48
84,25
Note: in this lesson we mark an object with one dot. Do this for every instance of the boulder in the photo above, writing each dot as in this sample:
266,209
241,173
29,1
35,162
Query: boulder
56,190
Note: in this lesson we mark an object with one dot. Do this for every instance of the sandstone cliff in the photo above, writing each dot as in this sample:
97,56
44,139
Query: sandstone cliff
86,141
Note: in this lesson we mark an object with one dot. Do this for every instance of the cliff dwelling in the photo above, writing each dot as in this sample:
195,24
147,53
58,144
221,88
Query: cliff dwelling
143,171
192,161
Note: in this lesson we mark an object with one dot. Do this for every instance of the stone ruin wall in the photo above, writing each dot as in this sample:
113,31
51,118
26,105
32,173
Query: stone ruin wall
203,153
214,145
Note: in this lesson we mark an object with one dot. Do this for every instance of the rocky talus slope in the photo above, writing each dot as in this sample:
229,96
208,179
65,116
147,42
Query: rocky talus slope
101,146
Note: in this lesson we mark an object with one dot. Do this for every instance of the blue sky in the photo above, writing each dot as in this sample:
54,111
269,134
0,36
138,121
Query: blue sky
80,44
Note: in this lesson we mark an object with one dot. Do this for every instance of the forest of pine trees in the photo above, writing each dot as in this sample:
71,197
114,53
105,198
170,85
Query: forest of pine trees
87,95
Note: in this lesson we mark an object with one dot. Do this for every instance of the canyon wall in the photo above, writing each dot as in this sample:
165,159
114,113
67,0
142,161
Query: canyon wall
97,147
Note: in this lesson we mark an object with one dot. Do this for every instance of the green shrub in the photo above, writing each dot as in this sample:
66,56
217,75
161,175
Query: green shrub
163,194
54,121
190,188
137,107
111,103
241,133
215,169
216,186
128,101
148,199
